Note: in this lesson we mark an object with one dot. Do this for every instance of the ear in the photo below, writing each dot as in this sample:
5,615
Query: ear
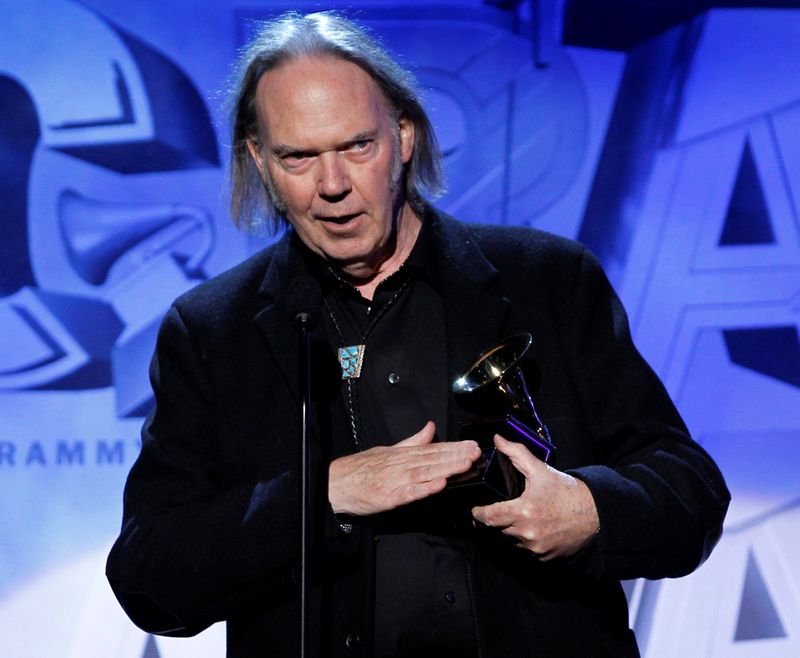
254,147
406,134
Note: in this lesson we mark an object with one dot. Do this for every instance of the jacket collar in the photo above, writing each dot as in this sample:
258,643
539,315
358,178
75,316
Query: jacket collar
273,321
475,308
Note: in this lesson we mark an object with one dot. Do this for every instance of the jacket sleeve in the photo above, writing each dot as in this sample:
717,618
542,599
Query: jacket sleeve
197,545
661,499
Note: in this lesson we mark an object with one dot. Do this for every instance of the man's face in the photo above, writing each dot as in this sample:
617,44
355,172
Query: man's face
334,153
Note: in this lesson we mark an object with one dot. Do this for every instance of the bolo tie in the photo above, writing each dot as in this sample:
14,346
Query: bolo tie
351,359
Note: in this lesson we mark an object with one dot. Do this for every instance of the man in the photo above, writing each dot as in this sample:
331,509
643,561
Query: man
330,135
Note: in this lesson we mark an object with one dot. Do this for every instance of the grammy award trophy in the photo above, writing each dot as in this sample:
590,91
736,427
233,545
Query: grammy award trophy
493,388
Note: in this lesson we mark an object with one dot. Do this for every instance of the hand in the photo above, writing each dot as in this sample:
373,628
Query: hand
554,517
385,477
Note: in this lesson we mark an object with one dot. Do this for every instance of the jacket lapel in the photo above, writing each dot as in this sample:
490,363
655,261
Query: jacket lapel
476,310
275,326
273,320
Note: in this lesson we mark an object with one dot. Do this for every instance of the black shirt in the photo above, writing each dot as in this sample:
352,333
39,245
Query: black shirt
423,601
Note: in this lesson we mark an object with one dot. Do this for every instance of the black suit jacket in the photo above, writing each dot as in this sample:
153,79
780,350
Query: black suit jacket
210,521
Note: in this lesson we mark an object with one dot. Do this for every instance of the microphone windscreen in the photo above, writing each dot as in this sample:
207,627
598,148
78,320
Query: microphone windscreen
303,301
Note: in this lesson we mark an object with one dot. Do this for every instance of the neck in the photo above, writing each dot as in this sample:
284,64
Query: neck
408,227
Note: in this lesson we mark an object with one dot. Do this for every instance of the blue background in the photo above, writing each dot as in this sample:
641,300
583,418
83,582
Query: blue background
665,135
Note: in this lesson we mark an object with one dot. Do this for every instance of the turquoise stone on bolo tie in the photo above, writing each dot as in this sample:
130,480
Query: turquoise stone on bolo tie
351,358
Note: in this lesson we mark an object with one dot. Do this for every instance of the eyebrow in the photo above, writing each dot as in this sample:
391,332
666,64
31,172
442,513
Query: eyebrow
281,150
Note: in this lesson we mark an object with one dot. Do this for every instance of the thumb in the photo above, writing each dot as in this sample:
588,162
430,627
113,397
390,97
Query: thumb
522,458
421,438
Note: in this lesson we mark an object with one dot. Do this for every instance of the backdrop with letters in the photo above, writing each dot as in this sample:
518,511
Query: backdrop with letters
665,135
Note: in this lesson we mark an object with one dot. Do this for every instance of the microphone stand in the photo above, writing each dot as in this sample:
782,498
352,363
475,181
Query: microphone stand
303,323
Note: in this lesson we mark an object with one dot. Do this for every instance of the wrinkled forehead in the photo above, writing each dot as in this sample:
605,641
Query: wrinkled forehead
315,95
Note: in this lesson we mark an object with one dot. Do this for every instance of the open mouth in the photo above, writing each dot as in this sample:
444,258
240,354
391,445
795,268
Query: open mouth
340,219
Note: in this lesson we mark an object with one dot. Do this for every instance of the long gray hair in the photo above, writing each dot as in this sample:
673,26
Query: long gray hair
291,35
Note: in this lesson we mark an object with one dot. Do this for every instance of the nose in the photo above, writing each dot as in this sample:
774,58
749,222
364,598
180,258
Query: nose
334,181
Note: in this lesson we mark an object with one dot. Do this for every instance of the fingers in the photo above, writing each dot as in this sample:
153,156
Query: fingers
554,517
442,450
505,514
520,456
497,515
517,525
385,477
418,491
429,453
436,462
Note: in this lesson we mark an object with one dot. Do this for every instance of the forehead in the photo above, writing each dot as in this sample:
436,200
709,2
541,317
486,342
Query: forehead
316,101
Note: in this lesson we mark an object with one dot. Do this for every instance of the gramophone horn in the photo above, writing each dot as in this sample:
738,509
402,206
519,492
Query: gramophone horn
495,376
96,233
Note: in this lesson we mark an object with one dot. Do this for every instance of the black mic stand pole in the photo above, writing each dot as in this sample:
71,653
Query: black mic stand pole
303,323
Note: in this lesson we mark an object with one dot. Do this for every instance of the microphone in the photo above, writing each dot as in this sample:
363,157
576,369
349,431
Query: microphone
304,300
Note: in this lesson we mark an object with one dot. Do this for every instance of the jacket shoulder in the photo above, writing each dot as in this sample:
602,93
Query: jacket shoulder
230,293
504,242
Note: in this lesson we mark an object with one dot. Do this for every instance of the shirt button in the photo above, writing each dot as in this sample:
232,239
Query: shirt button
394,378
352,641
450,597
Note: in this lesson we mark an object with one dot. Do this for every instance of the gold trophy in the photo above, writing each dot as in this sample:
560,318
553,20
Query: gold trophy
494,389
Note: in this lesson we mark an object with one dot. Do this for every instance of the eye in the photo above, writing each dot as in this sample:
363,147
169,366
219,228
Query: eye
295,160
361,147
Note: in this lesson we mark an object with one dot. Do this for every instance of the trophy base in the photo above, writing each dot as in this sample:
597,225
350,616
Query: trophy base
493,478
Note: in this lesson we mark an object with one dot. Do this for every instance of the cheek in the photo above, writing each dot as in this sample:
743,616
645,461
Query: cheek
374,181
295,191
